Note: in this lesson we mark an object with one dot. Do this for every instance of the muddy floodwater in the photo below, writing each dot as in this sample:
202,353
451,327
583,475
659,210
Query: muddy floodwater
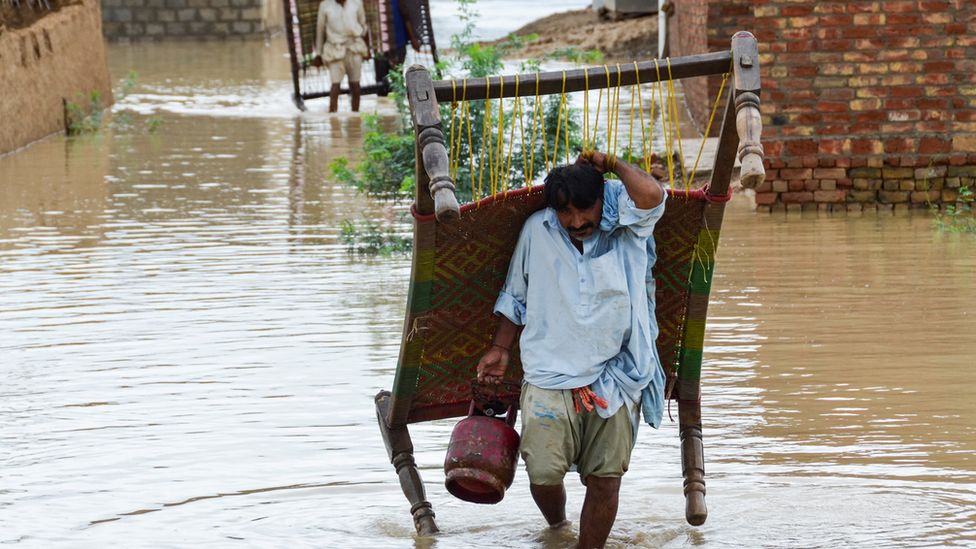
189,354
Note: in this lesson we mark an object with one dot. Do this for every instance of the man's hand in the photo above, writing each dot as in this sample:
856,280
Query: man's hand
492,366
317,61
596,159
415,43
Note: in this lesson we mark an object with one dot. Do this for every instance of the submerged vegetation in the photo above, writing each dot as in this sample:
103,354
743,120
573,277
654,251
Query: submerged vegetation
959,217
87,116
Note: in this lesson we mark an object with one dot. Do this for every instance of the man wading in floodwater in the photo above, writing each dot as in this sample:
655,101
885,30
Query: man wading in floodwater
341,43
580,292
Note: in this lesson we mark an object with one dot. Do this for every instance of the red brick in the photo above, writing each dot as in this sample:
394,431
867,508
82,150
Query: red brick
829,173
801,147
830,196
934,145
899,145
797,198
796,173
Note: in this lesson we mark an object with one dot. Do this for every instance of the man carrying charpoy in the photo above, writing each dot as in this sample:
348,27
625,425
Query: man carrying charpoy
577,297
341,43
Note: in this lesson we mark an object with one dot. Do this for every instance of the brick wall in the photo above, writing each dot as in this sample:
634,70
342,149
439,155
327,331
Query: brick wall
197,19
865,103
687,36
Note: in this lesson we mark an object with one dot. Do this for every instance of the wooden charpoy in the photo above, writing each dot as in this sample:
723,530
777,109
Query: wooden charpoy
310,82
461,256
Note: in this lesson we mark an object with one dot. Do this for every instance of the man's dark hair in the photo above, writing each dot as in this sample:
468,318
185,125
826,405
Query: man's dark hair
577,184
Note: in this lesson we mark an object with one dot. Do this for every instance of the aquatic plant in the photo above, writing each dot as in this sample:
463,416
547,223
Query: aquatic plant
958,217
86,116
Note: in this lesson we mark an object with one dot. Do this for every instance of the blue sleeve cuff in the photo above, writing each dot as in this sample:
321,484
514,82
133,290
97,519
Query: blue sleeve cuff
513,309
639,220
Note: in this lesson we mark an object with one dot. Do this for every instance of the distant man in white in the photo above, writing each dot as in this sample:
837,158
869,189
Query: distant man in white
341,43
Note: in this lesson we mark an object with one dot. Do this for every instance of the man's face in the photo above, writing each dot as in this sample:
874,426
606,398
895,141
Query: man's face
580,224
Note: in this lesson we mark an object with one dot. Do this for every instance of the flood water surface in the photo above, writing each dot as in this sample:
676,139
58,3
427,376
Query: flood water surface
189,353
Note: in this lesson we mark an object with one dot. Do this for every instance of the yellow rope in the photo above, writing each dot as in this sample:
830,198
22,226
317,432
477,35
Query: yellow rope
559,122
499,161
536,117
452,153
633,105
485,123
565,133
616,115
596,119
609,113
646,158
511,137
708,128
586,107
467,115
664,123
675,122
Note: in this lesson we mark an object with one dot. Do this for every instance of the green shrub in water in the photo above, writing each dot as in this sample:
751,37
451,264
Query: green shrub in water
959,217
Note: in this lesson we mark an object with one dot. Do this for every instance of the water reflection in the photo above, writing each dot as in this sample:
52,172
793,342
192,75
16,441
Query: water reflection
190,354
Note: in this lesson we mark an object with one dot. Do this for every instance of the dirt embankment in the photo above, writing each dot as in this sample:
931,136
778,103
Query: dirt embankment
26,13
57,59
619,41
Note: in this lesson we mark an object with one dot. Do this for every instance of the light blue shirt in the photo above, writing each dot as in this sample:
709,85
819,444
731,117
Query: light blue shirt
589,317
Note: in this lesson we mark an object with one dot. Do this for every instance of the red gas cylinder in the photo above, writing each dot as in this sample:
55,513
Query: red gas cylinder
482,456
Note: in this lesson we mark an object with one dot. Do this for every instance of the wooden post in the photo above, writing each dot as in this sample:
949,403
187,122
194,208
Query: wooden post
591,78
399,448
745,56
431,151
692,459
290,33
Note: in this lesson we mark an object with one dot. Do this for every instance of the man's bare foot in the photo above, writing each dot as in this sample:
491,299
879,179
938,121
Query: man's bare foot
560,525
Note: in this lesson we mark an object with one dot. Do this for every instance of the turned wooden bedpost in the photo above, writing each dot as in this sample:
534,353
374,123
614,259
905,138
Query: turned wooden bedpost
746,84
432,159
399,448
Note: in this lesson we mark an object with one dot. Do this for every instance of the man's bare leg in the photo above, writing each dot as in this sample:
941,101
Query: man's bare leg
334,98
599,511
354,90
551,500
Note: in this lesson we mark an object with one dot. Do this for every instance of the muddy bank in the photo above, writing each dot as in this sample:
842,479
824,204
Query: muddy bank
619,41
59,58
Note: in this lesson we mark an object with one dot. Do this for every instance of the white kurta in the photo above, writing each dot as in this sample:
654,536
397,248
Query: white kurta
340,30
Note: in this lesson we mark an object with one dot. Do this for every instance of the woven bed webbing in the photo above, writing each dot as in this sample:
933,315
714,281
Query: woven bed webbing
459,269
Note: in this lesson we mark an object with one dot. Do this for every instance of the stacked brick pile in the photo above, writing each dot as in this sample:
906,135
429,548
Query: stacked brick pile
866,103
197,19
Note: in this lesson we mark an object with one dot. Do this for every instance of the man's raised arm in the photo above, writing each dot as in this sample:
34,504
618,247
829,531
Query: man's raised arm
642,187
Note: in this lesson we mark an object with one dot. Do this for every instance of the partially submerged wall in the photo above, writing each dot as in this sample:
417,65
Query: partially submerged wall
865,104
59,58
189,19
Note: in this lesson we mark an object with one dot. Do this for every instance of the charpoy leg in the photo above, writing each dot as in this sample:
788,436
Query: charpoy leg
400,449
692,461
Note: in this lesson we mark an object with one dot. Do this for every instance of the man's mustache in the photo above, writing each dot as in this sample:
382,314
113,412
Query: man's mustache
583,227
